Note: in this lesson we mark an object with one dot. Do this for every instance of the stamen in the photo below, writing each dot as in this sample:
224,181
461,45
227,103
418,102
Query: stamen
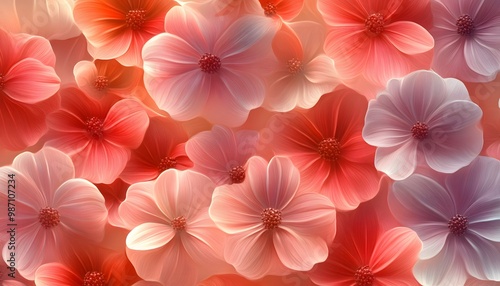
271,218
94,278
178,223
167,163
458,224
465,25
374,24
329,149
237,174
269,9
419,130
94,127
101,82
209,63
135,19
363,276
294,65
49,217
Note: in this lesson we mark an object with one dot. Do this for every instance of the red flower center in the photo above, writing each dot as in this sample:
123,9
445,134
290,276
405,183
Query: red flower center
49,217
271,218
269,9
94,127
178,223
458,224
465,25
135,19
374,24
94,278
419,130
329,149
237,174
167,163
294,65
363,276
101,82
2,81
209,63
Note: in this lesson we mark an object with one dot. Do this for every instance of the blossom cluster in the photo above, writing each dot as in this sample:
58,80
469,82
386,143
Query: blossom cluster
250,142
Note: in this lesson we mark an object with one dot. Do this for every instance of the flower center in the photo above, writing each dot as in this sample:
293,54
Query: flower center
135,19
237,174
94,127
101,82
49,217
167,163
209,63
458,224
94,278
269,9
2,81
294,66
178,223
363,276
419,130
329,149
465,25
375,24
271,218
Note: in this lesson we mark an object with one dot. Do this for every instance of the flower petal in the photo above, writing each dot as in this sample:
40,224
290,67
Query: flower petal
29,81
149,236
398,162
299,252
409,37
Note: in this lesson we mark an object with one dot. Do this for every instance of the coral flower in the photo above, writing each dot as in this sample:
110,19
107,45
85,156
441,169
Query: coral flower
52,208
458,221
100,78
172,238
423,116
161,149
222,154
207,65
467,35
326,145
88,265
303,73
373,41
27,85
118,29
285,9
273,227
365,254
98,135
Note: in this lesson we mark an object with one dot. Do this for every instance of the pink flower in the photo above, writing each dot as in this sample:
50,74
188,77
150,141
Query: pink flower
118,29
302,72
172,238
207,65
364,253
27,85
52,208
326,145
88,265
467,39
273,227
284,9
458,221
423,116
163,148
100,78
373,41
222,154
98,135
